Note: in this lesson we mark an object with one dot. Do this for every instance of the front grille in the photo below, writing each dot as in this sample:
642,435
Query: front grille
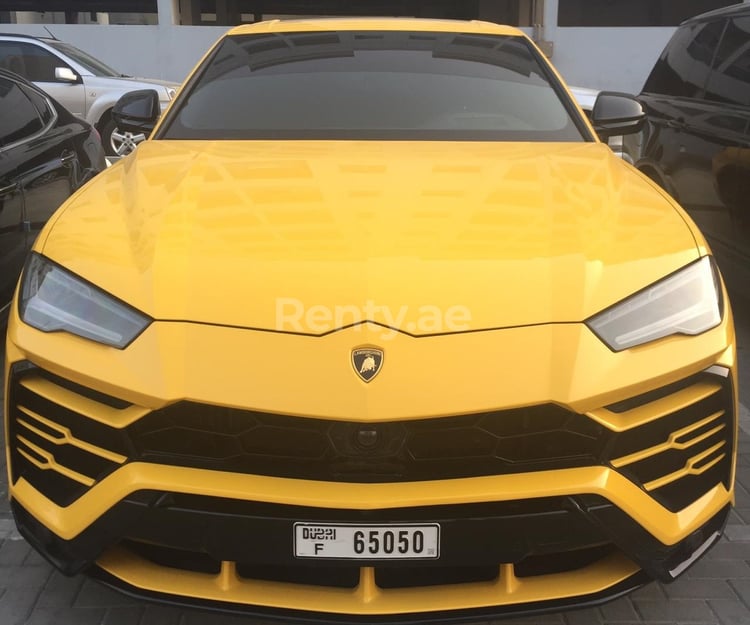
67,438
511,441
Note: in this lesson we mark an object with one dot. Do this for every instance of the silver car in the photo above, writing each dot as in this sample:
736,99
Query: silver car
84,85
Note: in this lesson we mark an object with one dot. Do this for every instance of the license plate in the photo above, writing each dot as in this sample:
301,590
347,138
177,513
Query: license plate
367,542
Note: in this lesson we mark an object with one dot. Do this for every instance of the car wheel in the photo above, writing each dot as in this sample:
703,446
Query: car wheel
117,142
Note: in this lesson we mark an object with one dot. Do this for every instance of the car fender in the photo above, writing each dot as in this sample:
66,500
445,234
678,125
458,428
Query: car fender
102,105
655,172
103,98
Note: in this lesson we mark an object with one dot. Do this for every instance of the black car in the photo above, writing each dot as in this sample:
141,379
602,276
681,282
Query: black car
696,143
45,155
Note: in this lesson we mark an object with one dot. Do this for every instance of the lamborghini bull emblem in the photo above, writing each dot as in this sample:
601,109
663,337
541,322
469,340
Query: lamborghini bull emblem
367,362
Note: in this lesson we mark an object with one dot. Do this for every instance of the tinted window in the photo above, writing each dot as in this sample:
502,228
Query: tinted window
95,66
682,69
29,60
730,78
18,116
41,104
378,85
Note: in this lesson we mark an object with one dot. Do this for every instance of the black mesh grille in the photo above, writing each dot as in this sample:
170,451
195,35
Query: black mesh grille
484,444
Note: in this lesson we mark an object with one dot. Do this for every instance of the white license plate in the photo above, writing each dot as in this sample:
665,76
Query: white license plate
367,542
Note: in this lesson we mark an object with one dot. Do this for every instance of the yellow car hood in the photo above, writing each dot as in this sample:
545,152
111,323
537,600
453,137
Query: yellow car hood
308,236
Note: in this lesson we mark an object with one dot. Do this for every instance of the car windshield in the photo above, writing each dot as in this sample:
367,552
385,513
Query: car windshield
374,85
95,66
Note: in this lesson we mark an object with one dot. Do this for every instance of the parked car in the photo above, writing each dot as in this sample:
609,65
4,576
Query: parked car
696,144
45,155
372,328
83,84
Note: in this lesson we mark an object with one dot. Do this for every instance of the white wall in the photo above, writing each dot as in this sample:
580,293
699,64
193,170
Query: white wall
600,58
618,59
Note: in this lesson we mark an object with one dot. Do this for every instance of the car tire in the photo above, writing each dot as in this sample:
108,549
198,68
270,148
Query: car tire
116,142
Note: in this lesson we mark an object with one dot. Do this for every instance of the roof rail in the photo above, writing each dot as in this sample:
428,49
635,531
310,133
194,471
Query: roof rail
741,8
22,36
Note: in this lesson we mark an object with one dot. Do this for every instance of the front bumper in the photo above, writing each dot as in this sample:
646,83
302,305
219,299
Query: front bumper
498,559
638,488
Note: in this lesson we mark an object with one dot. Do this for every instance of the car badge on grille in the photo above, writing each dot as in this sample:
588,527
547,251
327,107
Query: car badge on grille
367,362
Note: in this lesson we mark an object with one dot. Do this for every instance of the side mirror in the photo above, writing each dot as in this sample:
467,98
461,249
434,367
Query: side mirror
65,74
137,111
616,114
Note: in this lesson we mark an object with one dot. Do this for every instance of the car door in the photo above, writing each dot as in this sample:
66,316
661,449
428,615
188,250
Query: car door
18,121
678,158
49,168
696,143
12,235
37,64
719,204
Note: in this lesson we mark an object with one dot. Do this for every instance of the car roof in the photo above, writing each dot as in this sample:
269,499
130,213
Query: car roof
731,10
375,23
24,36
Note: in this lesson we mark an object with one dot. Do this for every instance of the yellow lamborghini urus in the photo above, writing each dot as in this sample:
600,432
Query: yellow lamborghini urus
372,329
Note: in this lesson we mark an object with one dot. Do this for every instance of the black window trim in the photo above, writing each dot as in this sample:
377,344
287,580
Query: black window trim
702,93
732,105
48,103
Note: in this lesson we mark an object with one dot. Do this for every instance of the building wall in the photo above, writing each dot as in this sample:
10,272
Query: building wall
617,59
600,58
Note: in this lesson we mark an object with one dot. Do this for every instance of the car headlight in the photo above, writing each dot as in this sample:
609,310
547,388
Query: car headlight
686,302
55,300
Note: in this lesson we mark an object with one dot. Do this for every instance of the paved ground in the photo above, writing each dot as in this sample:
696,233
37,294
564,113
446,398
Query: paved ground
716,591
